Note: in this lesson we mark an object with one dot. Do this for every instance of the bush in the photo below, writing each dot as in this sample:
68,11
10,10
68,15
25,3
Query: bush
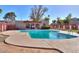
78,32
45,27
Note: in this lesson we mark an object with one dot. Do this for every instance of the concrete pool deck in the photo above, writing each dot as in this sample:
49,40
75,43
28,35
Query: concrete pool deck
22,39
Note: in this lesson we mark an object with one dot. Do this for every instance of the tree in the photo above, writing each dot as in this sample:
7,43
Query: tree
58,20
68,19
46,20
66,22
54,21
10,16
0,11
38,12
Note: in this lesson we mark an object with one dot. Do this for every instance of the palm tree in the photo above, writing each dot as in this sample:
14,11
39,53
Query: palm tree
38,12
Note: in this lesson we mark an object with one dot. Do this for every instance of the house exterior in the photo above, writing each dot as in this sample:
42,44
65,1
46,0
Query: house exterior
45,22
74,24
7,26
10,24
31,24
27,25
19,25
53,26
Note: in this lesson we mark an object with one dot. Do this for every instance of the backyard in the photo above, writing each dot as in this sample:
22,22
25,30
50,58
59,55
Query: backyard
36,29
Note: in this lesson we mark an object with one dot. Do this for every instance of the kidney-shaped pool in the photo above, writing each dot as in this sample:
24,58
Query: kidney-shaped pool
47,34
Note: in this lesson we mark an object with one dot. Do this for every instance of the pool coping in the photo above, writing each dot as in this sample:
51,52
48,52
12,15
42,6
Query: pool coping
35,47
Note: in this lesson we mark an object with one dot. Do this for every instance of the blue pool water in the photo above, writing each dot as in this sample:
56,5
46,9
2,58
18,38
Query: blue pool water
47,34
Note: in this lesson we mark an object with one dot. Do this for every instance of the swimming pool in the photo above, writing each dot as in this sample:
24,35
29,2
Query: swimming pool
47,34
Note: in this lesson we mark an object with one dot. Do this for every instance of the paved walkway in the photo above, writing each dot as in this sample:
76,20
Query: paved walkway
5,48
23,39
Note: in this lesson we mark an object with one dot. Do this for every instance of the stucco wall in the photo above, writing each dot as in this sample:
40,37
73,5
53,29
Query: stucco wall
20,25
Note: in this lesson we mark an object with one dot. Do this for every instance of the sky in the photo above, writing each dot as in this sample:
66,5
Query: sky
23,11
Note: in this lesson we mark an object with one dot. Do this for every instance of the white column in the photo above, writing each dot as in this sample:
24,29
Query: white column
5,27
2,28
70,27
63,27
78,26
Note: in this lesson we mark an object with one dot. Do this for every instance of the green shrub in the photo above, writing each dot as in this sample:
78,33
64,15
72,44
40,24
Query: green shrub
78,32
45,27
